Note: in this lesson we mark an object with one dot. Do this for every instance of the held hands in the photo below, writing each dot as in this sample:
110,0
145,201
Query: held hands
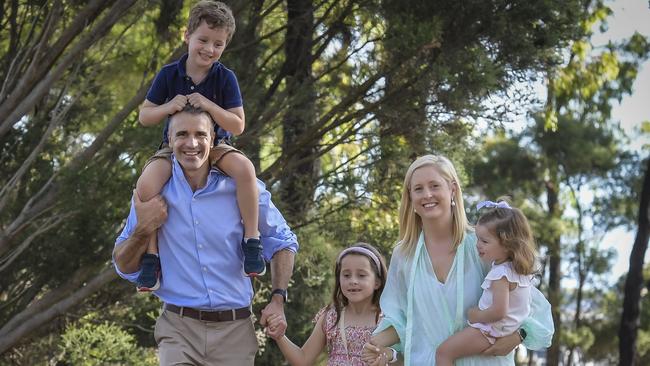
276,326
375,355
274,309
176,104
151,214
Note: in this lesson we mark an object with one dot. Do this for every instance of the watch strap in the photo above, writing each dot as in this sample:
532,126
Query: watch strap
280,291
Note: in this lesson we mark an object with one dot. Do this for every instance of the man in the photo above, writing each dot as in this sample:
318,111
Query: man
206,317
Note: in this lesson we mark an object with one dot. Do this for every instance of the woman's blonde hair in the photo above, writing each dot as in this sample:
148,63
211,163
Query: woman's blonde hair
410,224
511,227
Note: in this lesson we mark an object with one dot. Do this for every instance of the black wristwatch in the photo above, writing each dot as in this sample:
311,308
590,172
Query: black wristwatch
280,291
522,334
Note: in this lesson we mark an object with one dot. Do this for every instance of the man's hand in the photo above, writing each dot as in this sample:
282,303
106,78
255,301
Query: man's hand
274,308
176,104
276,326
151,214
503,345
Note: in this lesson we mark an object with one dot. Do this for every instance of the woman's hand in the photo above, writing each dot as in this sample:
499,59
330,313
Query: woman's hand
375,355
503,345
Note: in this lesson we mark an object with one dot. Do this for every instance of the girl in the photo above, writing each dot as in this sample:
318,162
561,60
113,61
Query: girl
503,238
346,324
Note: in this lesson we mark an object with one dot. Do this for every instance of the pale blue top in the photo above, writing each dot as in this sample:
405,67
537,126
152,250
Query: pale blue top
200,243
425,311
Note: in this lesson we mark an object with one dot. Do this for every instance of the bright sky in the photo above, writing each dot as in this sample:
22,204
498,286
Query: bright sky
629,16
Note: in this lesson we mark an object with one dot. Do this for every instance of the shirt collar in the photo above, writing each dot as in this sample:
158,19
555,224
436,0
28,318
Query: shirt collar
181,65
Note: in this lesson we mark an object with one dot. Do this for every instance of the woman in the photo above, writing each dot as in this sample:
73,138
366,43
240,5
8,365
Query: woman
435,276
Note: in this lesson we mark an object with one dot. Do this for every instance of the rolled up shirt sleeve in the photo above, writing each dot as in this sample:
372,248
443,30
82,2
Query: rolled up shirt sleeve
274,230
129,226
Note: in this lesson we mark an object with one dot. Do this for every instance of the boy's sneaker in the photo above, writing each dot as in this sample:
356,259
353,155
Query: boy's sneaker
149,279
254,264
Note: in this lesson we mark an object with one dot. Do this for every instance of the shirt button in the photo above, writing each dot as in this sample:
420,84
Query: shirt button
200,246
196,222
191,87
205,269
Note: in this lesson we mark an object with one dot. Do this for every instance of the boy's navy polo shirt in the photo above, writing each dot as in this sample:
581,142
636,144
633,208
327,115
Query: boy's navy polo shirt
220,86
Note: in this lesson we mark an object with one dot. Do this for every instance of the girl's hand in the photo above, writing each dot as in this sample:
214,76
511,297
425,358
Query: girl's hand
276,326
472,315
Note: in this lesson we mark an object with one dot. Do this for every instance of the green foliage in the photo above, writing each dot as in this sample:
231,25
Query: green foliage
581,337
391,80
605,324
89,344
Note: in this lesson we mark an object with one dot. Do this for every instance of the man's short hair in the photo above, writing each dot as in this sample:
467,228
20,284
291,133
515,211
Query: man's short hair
216,15
188,108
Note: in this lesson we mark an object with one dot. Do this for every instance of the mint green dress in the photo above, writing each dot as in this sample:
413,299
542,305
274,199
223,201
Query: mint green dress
425,311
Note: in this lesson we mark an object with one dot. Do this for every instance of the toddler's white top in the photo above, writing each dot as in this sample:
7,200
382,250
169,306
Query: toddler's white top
518,304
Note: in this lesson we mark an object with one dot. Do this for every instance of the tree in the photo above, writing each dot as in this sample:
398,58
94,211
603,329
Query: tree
630,322
316,92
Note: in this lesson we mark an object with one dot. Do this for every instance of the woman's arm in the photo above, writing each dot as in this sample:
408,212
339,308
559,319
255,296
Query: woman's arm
538,326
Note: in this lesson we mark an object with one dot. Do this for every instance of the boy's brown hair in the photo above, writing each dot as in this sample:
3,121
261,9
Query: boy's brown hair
215,14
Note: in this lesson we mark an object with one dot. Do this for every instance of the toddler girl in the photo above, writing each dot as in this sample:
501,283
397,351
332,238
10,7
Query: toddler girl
505,239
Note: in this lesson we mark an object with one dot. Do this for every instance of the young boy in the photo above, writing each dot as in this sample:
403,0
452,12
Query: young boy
200,80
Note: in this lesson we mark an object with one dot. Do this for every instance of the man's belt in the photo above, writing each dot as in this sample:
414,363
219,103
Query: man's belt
210,316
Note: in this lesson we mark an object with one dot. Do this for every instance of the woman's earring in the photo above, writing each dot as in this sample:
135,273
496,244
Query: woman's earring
453,203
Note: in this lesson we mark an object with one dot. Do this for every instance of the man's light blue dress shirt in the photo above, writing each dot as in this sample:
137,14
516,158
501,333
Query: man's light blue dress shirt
200,243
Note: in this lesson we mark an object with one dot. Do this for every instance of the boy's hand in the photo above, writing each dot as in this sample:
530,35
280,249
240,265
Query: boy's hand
176,104
199,101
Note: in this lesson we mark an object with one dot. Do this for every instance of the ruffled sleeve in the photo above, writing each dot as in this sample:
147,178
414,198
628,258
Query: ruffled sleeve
499,271
393,298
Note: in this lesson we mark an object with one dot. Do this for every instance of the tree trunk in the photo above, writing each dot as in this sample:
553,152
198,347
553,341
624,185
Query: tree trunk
298,183
555,273
627,333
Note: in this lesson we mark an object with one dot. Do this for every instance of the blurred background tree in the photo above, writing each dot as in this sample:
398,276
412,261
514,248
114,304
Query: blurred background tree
340,96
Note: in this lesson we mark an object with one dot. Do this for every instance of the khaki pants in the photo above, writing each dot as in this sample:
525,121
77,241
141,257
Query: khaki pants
187,341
